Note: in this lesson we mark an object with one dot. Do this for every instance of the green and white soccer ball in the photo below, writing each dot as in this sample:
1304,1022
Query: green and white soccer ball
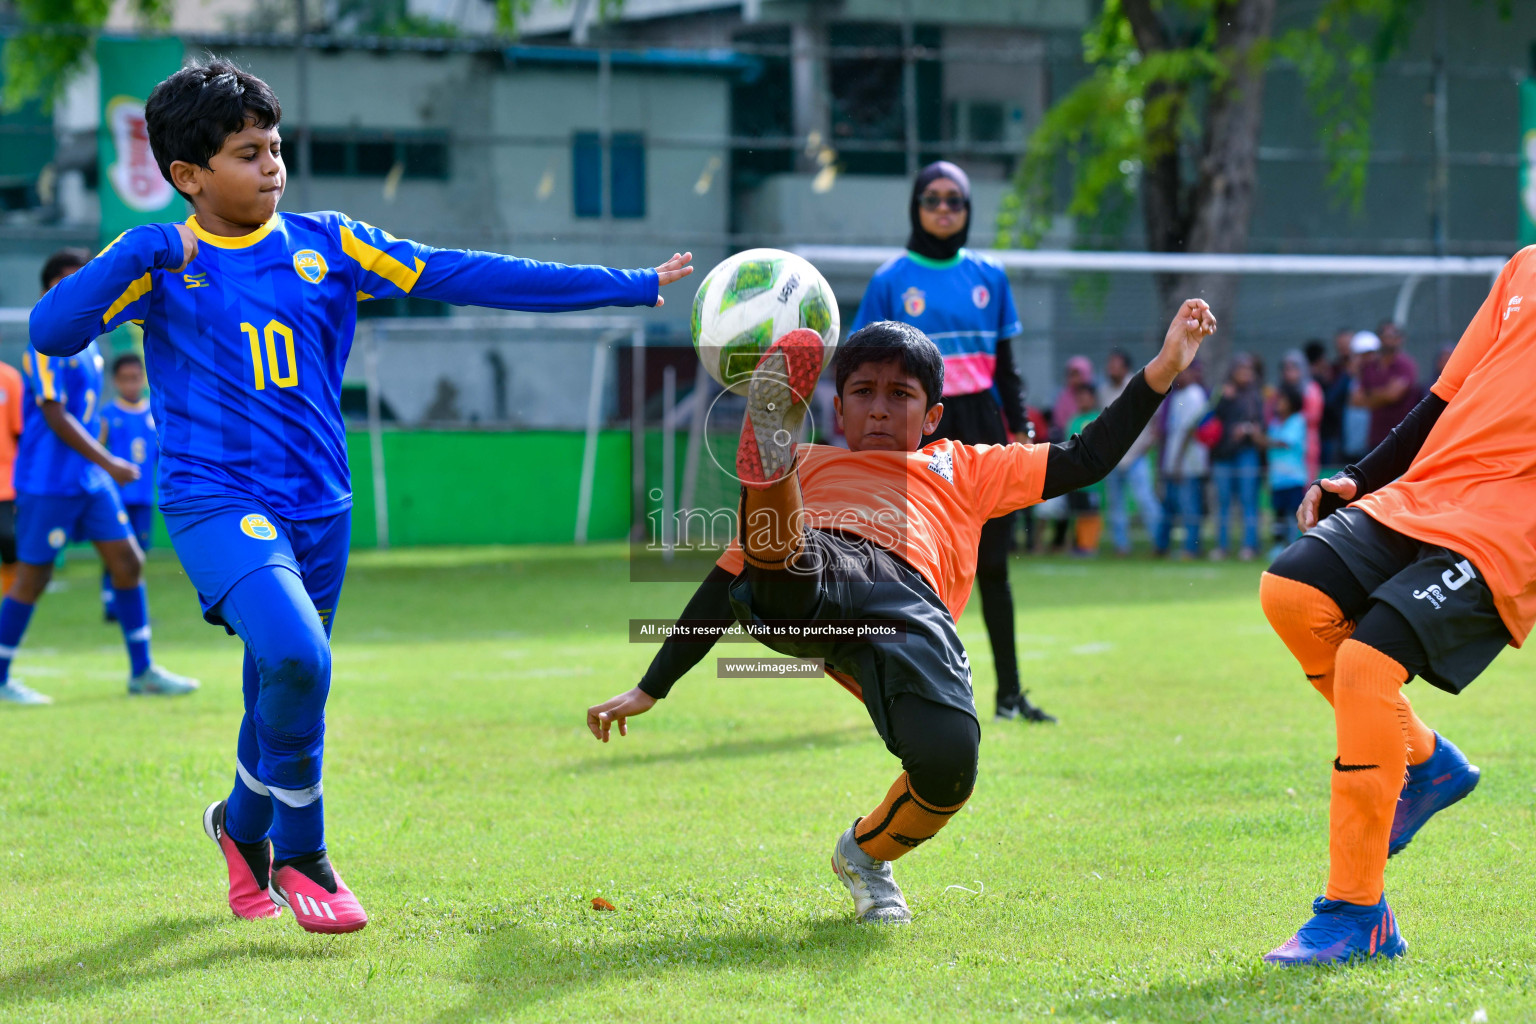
752,299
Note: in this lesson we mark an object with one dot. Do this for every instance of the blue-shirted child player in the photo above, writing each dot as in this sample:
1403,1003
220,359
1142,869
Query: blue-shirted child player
248,318
66,490
128,431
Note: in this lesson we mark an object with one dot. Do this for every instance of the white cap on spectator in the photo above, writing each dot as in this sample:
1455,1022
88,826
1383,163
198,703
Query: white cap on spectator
1364,341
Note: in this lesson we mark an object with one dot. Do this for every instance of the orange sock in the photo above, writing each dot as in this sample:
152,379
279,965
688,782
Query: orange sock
1309,623
1312,627
1370,713
7,577
902,822
772,523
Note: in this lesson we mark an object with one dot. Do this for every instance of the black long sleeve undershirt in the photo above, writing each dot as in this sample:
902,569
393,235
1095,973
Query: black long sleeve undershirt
1088,457
710,603
1390,459
1083,459
1011,388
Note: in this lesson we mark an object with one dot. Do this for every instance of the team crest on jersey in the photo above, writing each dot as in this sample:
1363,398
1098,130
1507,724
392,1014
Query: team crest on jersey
138,450
914,302
943,464
56,538
258,527
980,296
310,265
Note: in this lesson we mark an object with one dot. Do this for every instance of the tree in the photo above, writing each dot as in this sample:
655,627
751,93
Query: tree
1170,114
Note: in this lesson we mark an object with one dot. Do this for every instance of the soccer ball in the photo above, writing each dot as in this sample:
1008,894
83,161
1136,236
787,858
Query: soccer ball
751,300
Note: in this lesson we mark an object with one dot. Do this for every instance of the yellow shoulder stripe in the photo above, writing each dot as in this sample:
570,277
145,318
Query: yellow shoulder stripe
363,296
377,261
45,379
136,290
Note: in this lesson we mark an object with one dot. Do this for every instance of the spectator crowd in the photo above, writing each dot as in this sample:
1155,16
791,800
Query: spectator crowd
1228,450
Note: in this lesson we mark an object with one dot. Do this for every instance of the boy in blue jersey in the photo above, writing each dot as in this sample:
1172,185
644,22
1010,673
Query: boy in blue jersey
66,490
248,318
128,431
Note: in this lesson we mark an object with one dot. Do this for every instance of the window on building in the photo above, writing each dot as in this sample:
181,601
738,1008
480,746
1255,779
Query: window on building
626,174
343,153
627,185
762,105
868,108
587,173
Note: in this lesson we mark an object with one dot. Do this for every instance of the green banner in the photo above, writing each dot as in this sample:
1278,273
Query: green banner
1528,162
131,188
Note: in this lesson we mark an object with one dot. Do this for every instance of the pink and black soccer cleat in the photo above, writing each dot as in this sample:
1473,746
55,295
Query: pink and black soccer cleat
250,868
780,389
319,899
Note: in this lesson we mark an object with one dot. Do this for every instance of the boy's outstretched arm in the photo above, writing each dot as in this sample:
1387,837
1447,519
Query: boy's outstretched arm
109,290
708,614
1088,457
388,266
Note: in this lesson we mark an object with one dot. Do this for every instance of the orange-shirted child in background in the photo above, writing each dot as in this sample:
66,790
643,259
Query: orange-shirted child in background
1431,571
10,434
885,532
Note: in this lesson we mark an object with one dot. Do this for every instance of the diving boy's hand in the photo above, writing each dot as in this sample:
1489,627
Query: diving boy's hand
1191,325
188,247
601,717
675,269
1314,508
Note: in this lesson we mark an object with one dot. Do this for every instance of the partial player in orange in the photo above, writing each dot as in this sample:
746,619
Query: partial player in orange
10,435
1430,571
885,533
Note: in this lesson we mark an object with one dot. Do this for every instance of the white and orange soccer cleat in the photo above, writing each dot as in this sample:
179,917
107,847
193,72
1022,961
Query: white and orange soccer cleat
250,868
319,899
780,389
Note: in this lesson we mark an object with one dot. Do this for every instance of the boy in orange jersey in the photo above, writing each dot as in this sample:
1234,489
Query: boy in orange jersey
1430,571
886,533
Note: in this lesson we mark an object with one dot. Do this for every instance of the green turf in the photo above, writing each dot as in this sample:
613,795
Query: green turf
1131,864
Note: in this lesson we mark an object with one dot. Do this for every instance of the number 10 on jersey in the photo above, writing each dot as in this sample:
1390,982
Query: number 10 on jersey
264,359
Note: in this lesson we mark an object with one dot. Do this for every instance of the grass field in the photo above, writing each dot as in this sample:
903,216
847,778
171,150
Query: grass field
1130,864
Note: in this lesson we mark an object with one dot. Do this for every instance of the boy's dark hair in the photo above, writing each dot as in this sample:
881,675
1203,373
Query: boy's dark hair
1086,389
127,359
191,113
1314,350
890,341
1292,395
61,262
1119,353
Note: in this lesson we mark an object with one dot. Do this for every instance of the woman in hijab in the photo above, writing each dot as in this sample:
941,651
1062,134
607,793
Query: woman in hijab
964,303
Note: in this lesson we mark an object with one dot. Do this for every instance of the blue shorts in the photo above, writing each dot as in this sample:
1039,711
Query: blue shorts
221,540
45,523
142,519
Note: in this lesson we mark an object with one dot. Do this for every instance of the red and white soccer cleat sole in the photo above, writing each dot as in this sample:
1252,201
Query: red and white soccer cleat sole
316,908
780,388
249,870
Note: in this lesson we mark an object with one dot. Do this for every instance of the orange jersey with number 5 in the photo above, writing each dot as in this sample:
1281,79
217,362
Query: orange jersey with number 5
1472,487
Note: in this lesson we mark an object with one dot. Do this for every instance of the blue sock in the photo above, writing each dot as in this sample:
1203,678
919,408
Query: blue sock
106,592
14,616
290,769
248,815
133,615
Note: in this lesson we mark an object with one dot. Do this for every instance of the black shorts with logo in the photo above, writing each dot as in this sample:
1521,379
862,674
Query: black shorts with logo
854,579
1433,591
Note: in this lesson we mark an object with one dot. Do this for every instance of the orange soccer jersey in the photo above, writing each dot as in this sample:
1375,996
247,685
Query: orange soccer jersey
926,507
10,428
1472,487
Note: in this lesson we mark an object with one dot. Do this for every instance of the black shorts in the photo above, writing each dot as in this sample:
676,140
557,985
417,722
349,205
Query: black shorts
1433,591
856,579
7,532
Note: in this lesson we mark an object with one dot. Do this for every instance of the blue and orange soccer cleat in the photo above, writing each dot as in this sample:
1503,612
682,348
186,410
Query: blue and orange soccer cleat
1431,787
780,389
1340,932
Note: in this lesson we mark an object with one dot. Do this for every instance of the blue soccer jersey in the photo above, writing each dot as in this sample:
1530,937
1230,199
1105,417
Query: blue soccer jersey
246,346
964,305
128,431
44,463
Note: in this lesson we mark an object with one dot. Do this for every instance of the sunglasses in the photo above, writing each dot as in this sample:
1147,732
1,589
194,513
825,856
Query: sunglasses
931,201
